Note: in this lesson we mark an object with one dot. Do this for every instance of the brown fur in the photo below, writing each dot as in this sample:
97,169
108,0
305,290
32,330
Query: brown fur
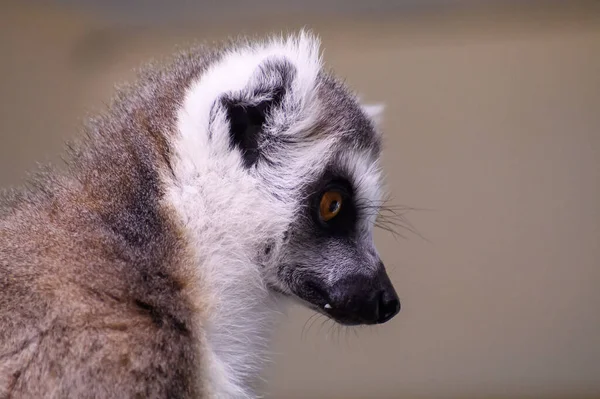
95,290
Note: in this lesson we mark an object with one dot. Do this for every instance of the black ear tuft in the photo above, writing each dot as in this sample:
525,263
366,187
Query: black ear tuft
246,123
247,116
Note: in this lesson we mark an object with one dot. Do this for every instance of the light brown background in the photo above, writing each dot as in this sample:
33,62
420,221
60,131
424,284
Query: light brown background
492,126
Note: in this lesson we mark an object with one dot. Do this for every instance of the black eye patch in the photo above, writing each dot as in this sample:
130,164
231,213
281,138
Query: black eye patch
344,222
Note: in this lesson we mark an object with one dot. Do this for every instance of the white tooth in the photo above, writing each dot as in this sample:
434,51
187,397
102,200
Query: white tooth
327,306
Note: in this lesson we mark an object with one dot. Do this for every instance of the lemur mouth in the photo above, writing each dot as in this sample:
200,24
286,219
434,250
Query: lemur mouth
352,301
338,315
313,296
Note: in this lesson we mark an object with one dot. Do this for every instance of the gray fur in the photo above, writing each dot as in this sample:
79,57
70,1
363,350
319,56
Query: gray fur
92,283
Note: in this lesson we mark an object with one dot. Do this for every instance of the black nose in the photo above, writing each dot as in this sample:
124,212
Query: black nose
389,306
364,299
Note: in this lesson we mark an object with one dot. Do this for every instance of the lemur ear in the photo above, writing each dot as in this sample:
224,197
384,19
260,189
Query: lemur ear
249,111
246,124
374,111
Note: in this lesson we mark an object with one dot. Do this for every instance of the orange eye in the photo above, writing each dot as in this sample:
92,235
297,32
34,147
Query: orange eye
331,203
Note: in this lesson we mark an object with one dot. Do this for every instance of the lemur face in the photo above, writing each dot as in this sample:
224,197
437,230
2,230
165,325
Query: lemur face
330,262
313,151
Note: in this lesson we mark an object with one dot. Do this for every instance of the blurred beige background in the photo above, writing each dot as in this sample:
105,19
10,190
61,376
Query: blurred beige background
492,125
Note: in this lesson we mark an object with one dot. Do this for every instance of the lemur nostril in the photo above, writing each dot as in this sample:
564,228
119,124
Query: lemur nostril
389,306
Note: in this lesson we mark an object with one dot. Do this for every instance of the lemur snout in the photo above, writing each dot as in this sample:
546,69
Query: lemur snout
362,299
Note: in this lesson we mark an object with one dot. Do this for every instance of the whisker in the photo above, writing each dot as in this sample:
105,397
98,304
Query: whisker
324,322
319,317
304,330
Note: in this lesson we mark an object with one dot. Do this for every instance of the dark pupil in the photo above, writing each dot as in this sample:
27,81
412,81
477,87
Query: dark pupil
333,206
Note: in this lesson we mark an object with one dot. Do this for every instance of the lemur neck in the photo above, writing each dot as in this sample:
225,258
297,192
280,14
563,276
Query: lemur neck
238,344
226,230
239,327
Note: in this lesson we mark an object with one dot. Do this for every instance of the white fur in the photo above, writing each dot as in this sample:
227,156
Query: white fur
242,311
215,197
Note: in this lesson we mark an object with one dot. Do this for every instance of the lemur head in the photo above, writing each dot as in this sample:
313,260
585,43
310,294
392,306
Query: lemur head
300,156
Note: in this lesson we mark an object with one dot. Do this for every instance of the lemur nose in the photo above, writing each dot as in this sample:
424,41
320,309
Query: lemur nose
388,302
366,299
389,305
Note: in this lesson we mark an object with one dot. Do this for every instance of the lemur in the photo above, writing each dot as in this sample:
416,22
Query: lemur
209,194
